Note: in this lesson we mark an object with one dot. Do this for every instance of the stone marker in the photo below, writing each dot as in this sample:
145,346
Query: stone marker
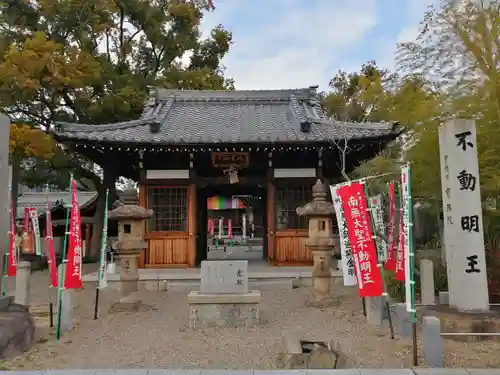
433,345
463,219
444,298
224,277
401,320
427,282
5,301
4,183
66,306
23,274
224,299
375,310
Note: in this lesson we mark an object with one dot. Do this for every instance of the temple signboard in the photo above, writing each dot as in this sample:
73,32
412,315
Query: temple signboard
227,159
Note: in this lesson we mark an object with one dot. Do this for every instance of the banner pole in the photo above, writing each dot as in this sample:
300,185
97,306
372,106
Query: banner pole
412,273
102,263
380,264
63,261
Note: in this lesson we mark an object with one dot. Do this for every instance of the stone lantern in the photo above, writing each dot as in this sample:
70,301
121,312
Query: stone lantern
320,242
130,217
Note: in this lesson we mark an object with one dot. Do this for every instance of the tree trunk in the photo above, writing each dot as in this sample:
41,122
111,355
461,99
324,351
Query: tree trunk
107,183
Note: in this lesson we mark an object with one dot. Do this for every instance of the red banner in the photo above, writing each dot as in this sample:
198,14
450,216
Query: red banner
73,268
361,240
12,255
211,226
50,251
390,263
230,228
400,263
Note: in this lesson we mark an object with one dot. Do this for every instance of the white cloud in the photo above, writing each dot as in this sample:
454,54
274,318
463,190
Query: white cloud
298,47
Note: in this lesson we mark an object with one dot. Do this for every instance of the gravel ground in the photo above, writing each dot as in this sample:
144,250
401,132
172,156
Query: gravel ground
160,337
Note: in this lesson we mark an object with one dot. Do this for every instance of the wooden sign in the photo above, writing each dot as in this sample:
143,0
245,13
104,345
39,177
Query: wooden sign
226,159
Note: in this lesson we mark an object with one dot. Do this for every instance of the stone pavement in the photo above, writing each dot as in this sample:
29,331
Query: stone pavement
422,371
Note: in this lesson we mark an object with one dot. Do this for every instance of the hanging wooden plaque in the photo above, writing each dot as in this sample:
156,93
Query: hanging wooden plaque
226,159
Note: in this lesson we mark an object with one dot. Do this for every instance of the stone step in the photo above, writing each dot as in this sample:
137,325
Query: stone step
252,285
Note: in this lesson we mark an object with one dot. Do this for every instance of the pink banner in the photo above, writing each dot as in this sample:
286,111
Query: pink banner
230,228
50,252
390,263
400,262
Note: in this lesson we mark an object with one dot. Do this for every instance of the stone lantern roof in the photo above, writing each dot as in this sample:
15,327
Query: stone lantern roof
319,206
130,208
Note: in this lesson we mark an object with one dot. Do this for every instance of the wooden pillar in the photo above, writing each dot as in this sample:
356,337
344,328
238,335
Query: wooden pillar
192,214
87,239
319,167
271,212
143,203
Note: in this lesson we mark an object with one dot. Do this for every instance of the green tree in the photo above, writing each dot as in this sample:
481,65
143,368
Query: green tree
457,49
374,94
91,61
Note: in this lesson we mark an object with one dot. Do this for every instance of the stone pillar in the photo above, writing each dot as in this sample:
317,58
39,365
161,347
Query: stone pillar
66,305
320,243
129,277
23,275
463,218
321,275
375,310
427,282
4,183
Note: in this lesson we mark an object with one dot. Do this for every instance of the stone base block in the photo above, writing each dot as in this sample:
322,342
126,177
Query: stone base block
315,301
453,321
17,330
312,353
217,310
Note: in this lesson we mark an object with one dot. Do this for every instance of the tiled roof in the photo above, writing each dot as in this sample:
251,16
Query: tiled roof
188,117
39,200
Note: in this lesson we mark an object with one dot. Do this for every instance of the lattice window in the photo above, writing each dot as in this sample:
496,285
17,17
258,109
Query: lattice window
170,209
288,199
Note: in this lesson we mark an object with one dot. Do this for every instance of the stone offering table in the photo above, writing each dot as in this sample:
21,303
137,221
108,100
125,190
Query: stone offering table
224,298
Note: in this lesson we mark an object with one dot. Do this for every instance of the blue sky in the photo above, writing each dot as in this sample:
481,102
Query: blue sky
298,43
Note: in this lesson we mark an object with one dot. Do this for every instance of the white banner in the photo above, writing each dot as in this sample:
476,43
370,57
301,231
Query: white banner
103,278
348,271
36,230
378,223
405,174
221,227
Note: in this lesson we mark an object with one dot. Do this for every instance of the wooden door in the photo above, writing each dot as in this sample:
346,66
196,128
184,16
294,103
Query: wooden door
168,231
168,250
291,249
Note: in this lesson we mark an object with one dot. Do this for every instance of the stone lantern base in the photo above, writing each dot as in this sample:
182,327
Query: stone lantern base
321,278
